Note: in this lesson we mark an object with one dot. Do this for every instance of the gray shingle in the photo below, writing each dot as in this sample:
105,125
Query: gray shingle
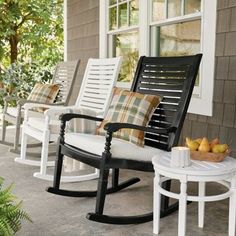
230,46
229,113
220,44
217,117
187,129
223,134
232,68
222,67
223,20
213,131
82,34
199,129
218,90
222,4
231,3
233,19
229,91
192,116
232,139
201,118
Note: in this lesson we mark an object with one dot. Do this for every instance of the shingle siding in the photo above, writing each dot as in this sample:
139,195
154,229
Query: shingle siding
82,35
223,122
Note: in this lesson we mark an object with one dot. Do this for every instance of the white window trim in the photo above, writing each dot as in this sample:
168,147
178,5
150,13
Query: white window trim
203,102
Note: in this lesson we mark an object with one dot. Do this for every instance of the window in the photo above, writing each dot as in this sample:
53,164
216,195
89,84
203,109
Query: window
176,29
123,36
132,28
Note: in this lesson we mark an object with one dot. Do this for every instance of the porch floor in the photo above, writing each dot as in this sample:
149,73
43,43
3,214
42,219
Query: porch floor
57,215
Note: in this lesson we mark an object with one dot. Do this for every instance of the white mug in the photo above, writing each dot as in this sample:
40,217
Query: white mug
180,157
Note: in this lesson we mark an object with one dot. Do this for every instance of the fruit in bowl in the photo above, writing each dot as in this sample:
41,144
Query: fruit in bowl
202,149
220,148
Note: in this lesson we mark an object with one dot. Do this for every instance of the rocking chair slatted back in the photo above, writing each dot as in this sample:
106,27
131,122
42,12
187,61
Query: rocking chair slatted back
99,78
167,77
64,75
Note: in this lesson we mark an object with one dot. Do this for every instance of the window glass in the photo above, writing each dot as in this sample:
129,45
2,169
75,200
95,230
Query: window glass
133,12
126,45
174,8
177,39
111,2
158,10
180,39
192,6
112,18
122,15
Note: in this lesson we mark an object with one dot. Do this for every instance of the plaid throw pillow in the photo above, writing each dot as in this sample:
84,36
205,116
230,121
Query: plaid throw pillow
133,108
44,93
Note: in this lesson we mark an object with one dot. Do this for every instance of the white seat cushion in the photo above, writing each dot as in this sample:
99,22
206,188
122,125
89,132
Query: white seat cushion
119,148
39,123
12,111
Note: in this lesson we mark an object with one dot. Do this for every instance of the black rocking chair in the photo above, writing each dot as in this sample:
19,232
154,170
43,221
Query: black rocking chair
172,78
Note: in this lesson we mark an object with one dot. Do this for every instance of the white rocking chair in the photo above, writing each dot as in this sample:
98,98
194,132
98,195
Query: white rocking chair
65,75
95,95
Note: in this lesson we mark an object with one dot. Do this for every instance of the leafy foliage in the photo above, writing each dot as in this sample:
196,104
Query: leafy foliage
11,214
129,66
20,78
31,29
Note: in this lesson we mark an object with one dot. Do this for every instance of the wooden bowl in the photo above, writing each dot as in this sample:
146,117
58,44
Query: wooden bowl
208,156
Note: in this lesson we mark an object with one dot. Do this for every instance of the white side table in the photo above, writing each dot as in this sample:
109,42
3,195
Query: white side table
201,172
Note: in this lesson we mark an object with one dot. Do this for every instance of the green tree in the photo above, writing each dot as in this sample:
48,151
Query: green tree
31,30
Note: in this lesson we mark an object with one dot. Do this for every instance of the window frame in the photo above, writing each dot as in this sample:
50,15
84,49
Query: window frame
202,99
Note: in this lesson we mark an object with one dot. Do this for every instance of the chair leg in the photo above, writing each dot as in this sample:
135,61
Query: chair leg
101,194
23,145
4,130
165,200
58,168
166,208
115,177
44,157
17,134
201,204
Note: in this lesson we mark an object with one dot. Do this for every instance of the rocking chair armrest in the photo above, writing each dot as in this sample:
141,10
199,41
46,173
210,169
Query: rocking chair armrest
55,110
29,104
113,127
69,116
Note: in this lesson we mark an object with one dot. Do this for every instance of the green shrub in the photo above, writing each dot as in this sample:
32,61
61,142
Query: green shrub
19,79
11,214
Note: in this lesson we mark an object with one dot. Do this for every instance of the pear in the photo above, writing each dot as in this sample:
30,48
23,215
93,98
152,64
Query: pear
191,144
214,142
198,140
220,148
204,146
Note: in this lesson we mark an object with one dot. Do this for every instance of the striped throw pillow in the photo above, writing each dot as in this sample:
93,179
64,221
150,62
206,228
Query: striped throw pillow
44,93
130,107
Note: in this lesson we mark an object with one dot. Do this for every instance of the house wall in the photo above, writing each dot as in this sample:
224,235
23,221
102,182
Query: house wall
83,33
223,122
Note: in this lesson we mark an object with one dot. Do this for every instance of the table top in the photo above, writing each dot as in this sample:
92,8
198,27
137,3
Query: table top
196,168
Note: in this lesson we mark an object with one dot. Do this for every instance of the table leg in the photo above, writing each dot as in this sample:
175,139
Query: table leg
232,207
156,204
182,208
201,204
